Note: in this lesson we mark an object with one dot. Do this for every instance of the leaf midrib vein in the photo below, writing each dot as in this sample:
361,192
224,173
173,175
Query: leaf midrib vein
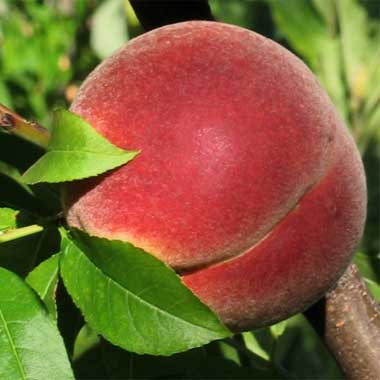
89,152
12,345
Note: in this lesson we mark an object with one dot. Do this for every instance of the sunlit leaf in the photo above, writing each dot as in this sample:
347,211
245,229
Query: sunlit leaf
133,299
76,151
30,344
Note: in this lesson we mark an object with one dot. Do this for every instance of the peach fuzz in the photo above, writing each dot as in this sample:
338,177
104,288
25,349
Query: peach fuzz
248,183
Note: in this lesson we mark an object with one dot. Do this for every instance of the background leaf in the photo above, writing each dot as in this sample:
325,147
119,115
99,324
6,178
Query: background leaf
355,46
374,288
109,28
21,255
315,41
30,345
44,280
76,151
278,329
7,218
133,299
254,345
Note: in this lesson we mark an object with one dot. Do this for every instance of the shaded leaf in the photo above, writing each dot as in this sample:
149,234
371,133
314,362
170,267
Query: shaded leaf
254,345
75,151
19,255
42,198
22,254
44,280
13,173
353,24
30,344
70,320
198,363
13,192
5,96
8,218
316,41
91,365
17,153
278,329
86,339
303,353
133,299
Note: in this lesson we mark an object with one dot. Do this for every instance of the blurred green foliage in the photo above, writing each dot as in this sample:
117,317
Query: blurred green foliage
48,47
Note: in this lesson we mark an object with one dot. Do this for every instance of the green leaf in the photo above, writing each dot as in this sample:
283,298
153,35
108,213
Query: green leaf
75,151
366,265
13,173
87,338
20,255
374,288
202,363
303,353
353,22
326,9
8,218
278,329
316,41
44,280
301,26
108,28
254,346
30,344
5,96
229,352
133,299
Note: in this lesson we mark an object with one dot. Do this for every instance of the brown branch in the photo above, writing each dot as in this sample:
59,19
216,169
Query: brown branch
28,130
155,13
348,320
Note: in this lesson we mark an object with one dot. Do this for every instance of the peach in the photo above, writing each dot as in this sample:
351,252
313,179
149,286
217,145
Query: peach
248,183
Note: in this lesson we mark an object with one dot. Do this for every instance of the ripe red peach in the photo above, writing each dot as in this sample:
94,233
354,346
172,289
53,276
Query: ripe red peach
248,183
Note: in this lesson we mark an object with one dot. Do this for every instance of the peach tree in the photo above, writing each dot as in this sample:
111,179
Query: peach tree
201,185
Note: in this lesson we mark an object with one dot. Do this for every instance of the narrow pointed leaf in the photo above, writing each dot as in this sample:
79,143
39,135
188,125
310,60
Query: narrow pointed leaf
133,299
44,280
30,345
14,174
75,151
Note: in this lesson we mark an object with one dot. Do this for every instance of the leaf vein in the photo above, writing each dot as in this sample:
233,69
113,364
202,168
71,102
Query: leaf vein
148,305
12,345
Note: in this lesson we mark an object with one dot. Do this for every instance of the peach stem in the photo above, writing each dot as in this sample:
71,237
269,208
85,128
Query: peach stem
28,130
348,320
